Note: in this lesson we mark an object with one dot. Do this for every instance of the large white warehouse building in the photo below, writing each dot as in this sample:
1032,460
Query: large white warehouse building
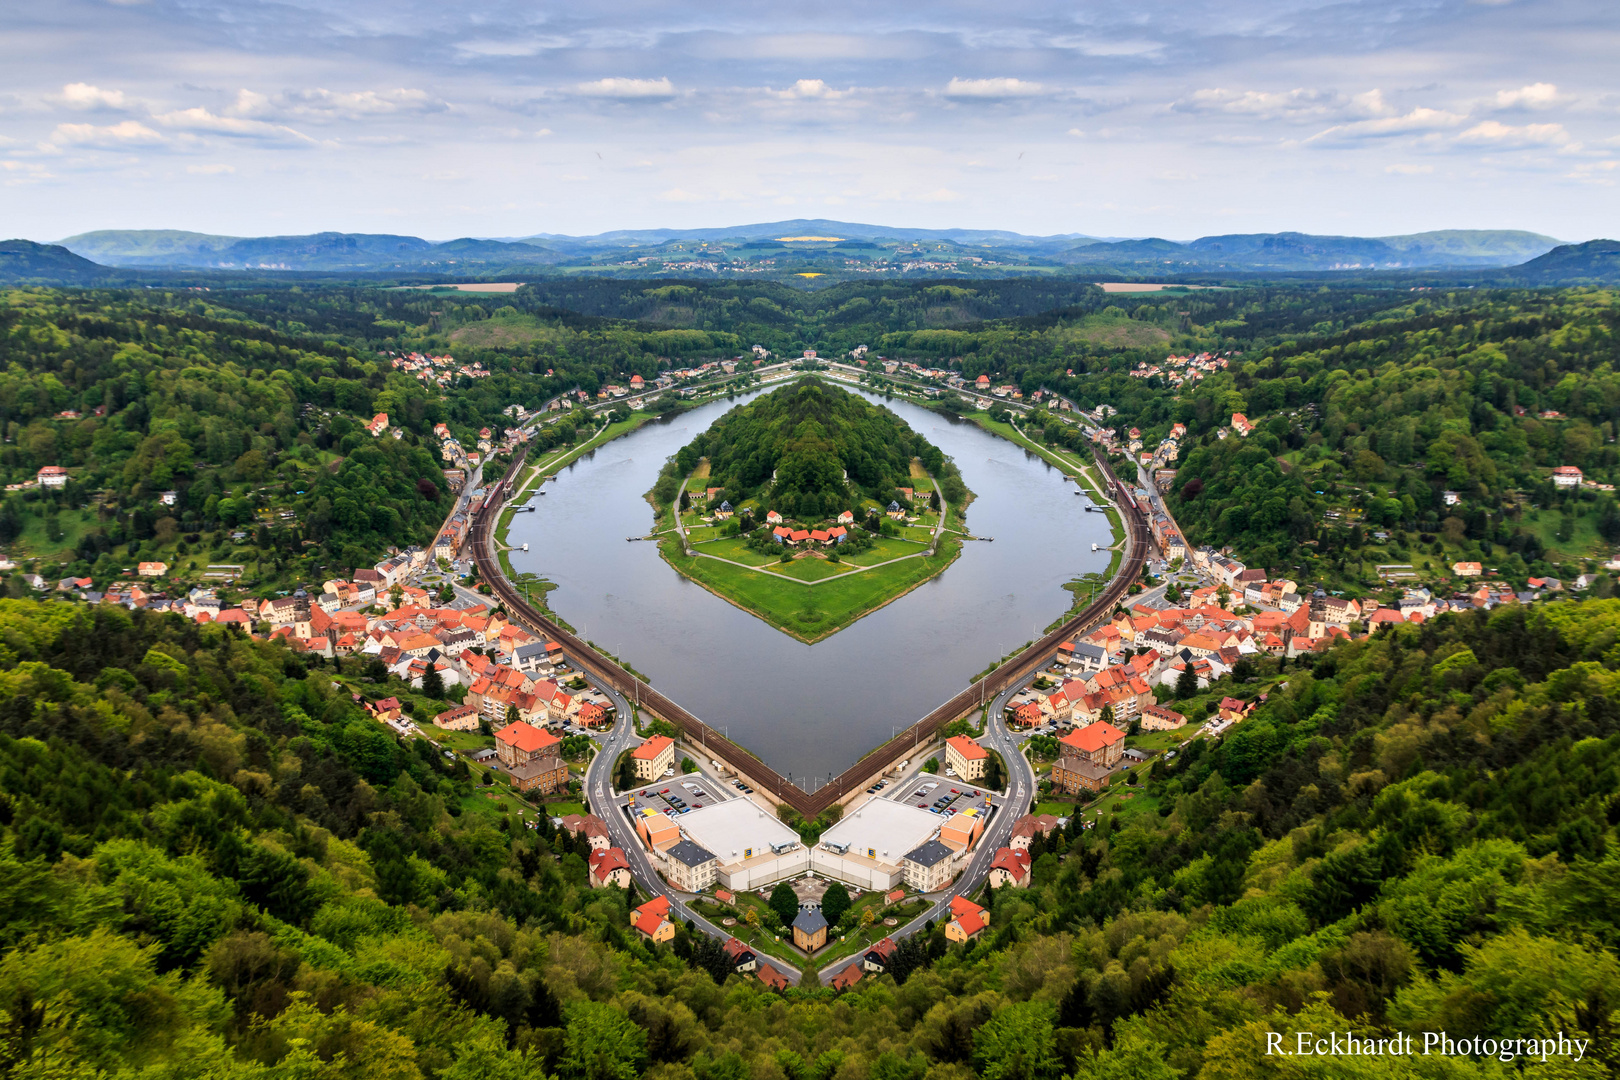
865,849
752,847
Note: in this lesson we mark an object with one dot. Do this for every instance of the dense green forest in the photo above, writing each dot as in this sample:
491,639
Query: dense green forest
211,864
251,408
810,451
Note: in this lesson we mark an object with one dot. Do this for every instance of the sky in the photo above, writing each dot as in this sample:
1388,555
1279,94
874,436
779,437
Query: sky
504,119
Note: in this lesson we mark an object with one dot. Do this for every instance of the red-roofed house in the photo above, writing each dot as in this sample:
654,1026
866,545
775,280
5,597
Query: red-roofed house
1010,867
847,977
654,757
520,742
967,919
652,919
965,757
1086,757
609,867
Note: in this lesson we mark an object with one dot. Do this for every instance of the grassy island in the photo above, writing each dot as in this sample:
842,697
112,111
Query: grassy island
809,508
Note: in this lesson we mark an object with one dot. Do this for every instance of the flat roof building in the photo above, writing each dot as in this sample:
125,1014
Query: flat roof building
751,847
865,848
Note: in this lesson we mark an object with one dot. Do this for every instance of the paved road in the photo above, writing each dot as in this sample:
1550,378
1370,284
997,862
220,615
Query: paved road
1020,792
599,790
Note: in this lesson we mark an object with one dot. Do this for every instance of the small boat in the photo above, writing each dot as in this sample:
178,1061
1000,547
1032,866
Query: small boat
1093,547
525,547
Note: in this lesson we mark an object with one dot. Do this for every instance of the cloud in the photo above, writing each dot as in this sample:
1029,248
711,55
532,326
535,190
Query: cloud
200,119
84,96
809,88
1409,170
325,105
1535,96
1595,172
628,89
1419,121
23,172
210,170
495,48
992,89
1501,136
1290,104
1299,103
123,136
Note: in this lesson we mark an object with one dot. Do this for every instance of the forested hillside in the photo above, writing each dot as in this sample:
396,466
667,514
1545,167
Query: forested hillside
213,865
810,451
251,407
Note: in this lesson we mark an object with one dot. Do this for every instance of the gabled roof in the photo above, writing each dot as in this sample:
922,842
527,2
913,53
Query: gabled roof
525,737
1093,737
1013,862
967,747
649,750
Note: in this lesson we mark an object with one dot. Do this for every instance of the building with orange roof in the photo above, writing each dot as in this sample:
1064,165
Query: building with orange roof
1156,717
609,867
1086,757
519,742
961,832
657,831
463,717
1010,867
848,977
967,919
772,978
654,757
652,920
965,757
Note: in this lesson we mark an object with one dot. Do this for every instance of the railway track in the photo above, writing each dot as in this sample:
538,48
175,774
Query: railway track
861,774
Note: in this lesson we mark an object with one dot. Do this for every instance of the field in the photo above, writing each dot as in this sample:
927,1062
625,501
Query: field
793,604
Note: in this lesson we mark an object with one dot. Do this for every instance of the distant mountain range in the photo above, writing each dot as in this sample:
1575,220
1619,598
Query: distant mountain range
809,238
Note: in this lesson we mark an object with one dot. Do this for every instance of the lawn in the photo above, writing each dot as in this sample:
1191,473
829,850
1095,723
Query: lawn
805,611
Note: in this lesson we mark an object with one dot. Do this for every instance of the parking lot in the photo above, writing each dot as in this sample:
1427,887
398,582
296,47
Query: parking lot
943,796
677,795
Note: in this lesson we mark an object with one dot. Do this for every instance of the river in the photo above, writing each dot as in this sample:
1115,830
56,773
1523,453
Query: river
810,711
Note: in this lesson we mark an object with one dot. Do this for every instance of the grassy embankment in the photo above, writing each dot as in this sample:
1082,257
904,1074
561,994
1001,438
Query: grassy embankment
817,599
534,475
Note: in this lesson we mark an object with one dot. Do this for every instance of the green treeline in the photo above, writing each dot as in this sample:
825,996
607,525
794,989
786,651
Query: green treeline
825,447
1481,398
213,864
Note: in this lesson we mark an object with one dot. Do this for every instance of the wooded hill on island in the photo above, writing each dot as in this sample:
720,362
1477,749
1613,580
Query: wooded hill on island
811,451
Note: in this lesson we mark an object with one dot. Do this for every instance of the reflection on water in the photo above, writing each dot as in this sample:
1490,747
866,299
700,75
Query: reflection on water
810,710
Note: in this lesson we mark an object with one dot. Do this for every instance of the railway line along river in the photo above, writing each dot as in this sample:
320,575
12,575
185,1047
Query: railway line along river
809,711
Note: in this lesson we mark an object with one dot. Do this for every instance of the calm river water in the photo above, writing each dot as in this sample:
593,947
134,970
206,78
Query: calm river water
810,710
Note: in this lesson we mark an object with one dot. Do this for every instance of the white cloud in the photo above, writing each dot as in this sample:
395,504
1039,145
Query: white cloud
1535,96
1299,103
200,119
122,136
210,170
1409,170
1419,121
84,96
1595,172
23,172
991,89
628,89
1501,136
542,133
809,88
326,105
1291,104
